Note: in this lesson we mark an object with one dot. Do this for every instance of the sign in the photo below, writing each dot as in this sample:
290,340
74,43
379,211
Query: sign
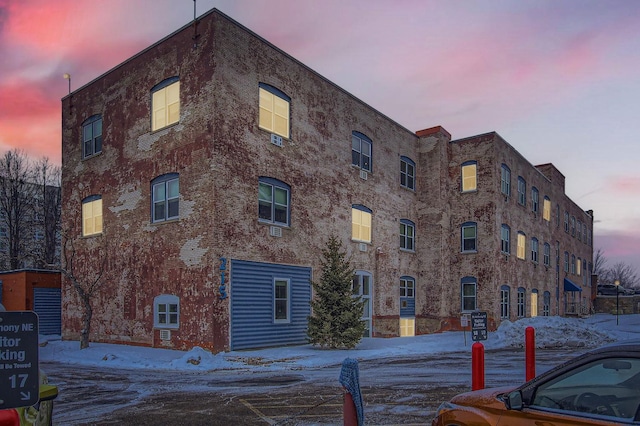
19,372
464,320
479,326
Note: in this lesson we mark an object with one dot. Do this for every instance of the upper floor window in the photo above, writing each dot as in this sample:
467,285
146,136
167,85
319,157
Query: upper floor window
407,287
273,201
92,215
535,200
166,311
407,173
573,264
505,308
469,176
469,294
546,209
505,244
566,221
579,230
578,266
534,250
165,103
281,296
547,254
557,215
360,223
505,180
166,197
92,136
589,237
566,261
469,237
274,110
361,151
522,191
573,226
522,305
407,234
521,245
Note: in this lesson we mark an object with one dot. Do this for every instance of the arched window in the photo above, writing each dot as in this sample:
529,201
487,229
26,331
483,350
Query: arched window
165,203
407,235
165,103
92,215
92,136
407,173
505,304
360,223
361,147
273,201
469,176
469,236
274,110
469,288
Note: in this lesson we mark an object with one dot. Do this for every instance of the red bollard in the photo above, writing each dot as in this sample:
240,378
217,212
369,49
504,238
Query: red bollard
477,366
349,414
530,353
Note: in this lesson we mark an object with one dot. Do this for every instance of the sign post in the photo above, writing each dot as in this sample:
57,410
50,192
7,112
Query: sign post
19,372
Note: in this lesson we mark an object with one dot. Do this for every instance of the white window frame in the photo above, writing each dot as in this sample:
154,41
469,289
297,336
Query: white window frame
505,239
522,191
166,184
468,283
521,245
547,254
469,176
92,136
92,216
407,235
407,287
172,317
505,302
361,218
505,180
279,300
269,201
361,151
165,104
274,110
465,226
407,173
522,303
546,209
535,200
534,250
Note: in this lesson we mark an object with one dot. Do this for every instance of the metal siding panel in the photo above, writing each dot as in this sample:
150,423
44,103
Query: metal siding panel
410,310
252,305
47,304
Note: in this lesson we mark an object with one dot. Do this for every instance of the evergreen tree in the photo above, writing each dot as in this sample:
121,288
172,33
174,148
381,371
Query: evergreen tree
336,320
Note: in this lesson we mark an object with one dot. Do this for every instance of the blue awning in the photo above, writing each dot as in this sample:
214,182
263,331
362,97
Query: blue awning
571,286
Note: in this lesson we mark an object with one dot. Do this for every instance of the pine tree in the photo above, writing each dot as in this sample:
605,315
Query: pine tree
336,321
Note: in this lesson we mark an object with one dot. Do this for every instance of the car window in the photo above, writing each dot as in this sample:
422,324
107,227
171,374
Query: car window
606,387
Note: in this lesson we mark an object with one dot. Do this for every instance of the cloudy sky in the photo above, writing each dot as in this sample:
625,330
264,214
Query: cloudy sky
558,79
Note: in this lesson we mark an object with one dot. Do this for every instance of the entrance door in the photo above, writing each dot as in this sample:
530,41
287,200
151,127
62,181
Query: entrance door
362,286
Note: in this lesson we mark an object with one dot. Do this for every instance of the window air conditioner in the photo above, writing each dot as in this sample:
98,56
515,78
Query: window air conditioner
362,247
165,334
276,140
363,174
275,231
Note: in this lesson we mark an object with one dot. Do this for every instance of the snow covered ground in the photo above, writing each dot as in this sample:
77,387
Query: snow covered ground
550,332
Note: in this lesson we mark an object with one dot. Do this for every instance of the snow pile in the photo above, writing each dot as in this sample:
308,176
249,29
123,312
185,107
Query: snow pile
553,332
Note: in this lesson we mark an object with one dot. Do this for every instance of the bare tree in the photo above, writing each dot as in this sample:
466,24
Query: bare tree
16,204
48,207
599,262
625,273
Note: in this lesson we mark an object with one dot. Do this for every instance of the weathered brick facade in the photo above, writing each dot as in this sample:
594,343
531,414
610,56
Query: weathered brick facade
220,153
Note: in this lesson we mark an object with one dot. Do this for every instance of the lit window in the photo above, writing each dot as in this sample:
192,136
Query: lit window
92,136
505,180
407,235
521,245
505,245
273,201
167,311
469,237
360,223
547,254
534,250
578,267
407,287
535,200
469,294
469,176
407,173
546,209
522,191
165,103
505,305
361,151
521,302
274,110
166,197
92,215
281,300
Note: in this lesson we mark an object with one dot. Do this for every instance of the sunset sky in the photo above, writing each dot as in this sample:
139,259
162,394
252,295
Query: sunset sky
558,79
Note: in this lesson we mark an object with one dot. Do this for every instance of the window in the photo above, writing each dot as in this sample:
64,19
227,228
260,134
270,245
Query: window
547,255
566,221
92,215
407,234
521,245
469,237
469,288
579,230
166,197
573,264
407,173
469,176
546,209
167,311
274,110
522,191
165,103
578,267
505,308
566,262
363,286
573,226
589,237
546,304
521,303
361,151
360,223
584,232
407,287
505,180
534,250
273,201
557,215
92,136
535,200
281,300
504,239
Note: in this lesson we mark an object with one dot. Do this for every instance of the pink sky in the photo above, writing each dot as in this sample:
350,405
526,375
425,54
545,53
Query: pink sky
557,79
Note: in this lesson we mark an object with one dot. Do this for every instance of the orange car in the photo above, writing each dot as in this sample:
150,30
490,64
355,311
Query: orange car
601,387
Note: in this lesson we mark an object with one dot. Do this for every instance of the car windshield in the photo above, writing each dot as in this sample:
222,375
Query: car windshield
608,387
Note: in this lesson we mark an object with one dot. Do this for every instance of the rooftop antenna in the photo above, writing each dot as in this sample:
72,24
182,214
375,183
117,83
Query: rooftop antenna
67,76
195,27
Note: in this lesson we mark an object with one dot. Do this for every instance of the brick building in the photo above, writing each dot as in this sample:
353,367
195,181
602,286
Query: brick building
204,175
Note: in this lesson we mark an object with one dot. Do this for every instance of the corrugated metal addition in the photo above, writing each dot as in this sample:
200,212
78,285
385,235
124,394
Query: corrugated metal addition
47,304
407,307
252,305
